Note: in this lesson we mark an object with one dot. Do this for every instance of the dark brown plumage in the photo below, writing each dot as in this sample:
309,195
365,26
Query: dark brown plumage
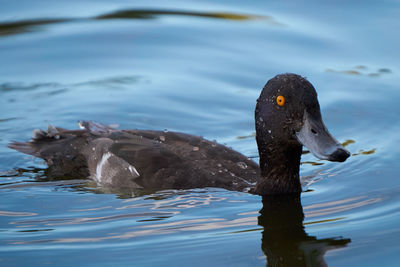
162,159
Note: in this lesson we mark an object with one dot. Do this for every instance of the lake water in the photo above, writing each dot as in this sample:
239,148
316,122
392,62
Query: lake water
198,67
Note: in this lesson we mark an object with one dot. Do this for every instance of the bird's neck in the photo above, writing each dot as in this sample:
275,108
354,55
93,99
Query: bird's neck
280,164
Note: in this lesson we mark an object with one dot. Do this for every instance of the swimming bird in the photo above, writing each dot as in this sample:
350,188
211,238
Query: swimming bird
287,116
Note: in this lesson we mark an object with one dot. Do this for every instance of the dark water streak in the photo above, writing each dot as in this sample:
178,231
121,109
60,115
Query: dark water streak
24,26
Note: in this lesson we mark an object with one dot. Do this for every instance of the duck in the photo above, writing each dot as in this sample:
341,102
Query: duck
287,117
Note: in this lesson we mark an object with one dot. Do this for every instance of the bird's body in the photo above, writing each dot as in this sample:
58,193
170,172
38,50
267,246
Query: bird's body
140,158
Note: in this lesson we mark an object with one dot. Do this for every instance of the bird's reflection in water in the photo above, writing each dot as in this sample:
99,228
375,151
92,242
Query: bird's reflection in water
284,241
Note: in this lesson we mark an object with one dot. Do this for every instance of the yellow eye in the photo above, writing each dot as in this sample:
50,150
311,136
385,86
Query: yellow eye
280,100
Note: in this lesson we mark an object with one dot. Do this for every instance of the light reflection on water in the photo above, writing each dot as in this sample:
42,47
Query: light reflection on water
198,69
174,204
168,213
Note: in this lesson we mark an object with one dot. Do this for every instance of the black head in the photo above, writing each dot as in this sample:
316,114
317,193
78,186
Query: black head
281,106
288,116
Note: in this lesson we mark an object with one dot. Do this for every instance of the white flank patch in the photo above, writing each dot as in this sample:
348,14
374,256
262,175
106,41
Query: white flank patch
133,170
100,165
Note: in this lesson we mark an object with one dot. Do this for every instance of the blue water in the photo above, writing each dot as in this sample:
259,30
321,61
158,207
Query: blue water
198,67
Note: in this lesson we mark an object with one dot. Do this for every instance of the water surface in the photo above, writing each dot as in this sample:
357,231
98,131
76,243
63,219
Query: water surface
198,67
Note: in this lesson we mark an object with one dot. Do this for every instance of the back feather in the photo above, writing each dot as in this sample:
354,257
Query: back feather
24,147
